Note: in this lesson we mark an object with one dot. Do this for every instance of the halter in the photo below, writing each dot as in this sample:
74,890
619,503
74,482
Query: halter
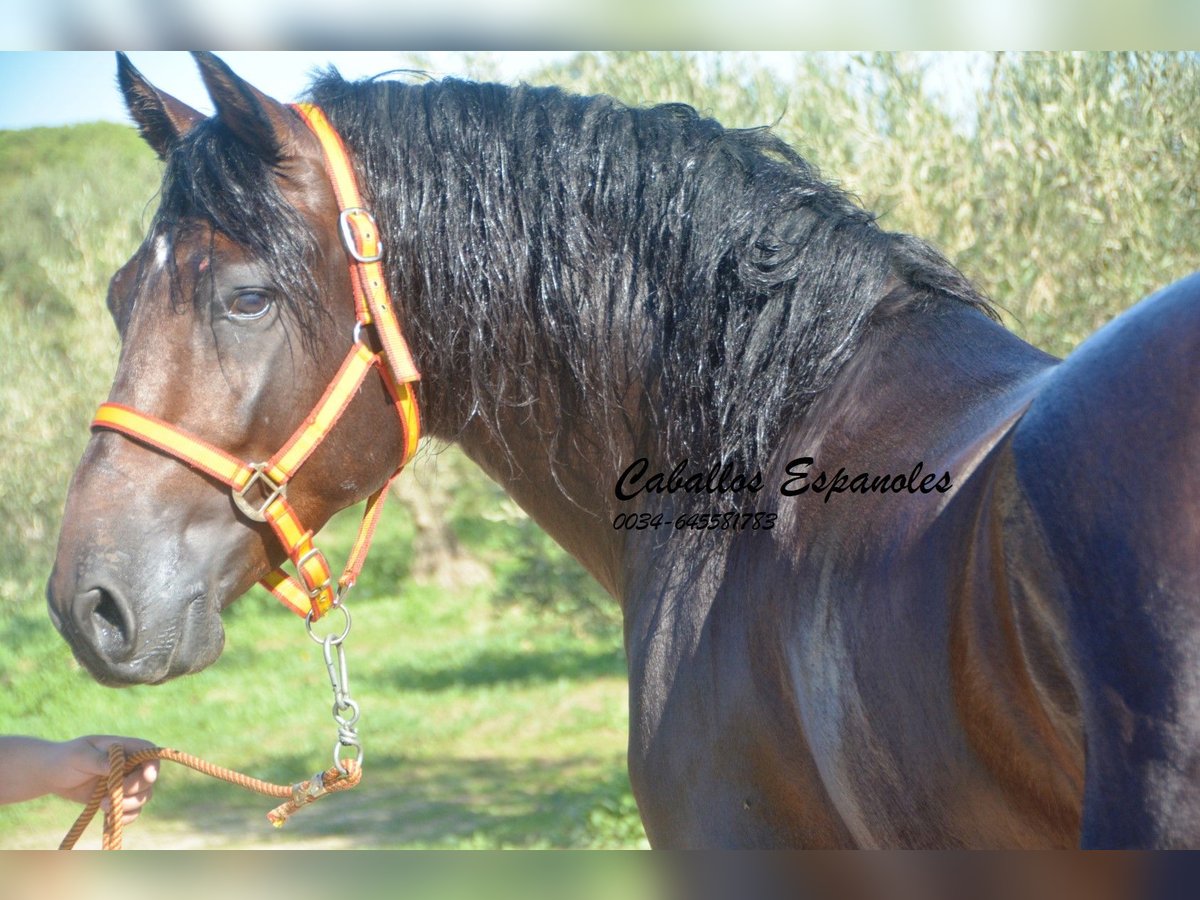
260,488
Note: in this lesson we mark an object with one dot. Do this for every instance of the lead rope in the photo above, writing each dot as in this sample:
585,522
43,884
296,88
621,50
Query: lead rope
341,776
295,796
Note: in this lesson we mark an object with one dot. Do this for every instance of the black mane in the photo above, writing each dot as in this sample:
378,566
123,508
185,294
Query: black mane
602,240
709,270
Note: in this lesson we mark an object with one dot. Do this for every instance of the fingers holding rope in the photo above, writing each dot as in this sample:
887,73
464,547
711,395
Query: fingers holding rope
124,790
137,784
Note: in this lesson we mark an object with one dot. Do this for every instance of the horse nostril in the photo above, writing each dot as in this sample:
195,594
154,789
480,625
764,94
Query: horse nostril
104,618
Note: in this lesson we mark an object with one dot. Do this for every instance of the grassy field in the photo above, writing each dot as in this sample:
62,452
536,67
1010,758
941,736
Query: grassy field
484,726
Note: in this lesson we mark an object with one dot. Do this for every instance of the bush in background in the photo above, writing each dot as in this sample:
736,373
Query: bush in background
72,209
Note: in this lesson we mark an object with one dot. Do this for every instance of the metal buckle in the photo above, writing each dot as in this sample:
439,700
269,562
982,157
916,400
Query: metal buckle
258,513
350,235
327,584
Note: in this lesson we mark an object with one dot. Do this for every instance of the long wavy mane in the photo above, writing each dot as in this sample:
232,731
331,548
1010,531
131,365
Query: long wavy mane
554,248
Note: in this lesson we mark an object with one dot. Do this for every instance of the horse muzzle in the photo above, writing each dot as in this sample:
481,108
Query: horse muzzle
137,588
108,630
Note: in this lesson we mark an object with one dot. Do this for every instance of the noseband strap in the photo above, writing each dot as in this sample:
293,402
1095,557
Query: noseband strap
259,490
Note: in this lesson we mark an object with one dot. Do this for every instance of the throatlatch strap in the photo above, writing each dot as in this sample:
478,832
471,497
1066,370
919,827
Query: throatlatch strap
324,416
366,533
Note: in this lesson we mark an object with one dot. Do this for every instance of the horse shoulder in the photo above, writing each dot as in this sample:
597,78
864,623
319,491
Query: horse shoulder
717,753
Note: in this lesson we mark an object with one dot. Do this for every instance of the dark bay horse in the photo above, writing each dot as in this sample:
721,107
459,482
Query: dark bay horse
889,575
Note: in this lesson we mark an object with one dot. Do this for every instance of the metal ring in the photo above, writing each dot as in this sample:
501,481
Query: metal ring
333,638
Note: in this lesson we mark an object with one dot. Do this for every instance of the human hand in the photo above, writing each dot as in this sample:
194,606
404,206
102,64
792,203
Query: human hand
73,767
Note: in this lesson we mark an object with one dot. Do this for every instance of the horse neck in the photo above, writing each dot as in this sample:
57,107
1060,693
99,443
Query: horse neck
953,372
565,484
557,432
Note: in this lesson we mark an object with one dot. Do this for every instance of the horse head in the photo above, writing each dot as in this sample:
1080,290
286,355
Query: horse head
234,315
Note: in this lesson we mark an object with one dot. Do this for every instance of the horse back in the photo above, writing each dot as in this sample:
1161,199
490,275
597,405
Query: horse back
1108,461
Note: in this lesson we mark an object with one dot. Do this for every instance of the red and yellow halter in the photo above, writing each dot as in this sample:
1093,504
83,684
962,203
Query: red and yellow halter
314,593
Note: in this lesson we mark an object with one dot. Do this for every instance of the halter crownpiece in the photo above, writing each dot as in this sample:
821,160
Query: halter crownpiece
260,489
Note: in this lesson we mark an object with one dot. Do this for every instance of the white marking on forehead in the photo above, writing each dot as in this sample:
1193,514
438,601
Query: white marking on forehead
162,246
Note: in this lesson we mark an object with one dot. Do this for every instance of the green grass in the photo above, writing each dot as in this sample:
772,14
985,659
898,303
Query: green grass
483,726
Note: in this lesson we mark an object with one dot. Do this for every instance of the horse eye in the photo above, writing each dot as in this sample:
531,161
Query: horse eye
250,305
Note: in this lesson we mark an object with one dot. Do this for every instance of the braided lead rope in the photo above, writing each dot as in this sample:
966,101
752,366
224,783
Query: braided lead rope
295,796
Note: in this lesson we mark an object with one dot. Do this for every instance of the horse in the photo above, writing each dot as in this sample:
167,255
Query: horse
889,576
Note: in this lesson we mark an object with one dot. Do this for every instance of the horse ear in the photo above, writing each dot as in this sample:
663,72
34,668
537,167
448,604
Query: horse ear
263,123
162,120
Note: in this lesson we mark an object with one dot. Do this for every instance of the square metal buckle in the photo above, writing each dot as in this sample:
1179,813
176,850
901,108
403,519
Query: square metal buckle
347,225
259,513
327,584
